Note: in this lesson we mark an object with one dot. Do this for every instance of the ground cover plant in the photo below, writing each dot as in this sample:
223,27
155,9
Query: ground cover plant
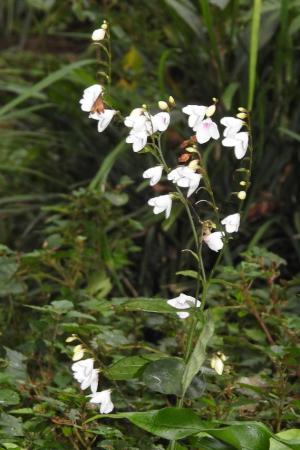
183,332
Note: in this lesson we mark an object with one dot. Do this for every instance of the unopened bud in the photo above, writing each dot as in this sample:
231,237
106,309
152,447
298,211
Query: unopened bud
241,195
71,338
78,352
163,105
217,364
98,35
191,149
144,106
241,109
171,100
215,100
104,26
194,165
210,110
241,115
243,183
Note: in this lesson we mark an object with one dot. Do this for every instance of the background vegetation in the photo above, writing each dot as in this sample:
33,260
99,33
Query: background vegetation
77,238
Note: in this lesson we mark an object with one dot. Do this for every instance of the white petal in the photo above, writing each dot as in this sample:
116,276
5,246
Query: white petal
214,132
161,121
98,34
183,315
203,133
154,173
232,124
241,146
105,119
214,240
90,95
229,142
231,223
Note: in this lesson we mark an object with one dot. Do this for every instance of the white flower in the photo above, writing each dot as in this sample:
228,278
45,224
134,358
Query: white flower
161,203
142,125
160,121
239,141
104,118
185,177
98,35
233,137
154,173
232,125
206,130
90,95
231,223
103,399
196,115
183,302
138,140
85,374
214,240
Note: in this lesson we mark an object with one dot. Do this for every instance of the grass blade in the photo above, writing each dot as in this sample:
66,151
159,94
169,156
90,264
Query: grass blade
254,38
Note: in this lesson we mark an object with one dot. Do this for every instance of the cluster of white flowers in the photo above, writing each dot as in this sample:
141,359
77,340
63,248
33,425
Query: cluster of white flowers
88,377
143,125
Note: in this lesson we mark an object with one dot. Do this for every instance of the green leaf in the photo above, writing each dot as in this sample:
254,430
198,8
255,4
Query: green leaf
244,436
100,178
10,426
168,423
288,439
188,273
164,376
9,397
129,367
187,12
16,368
44,83
229,94
198,355
149,305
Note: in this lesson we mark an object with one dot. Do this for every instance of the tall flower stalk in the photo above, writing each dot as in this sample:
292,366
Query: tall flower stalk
187,180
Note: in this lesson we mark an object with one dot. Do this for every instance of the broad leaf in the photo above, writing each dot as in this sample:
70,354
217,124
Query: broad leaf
164,376
198,355
127,368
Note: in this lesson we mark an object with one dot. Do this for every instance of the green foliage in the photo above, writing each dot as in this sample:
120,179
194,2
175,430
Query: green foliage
77,256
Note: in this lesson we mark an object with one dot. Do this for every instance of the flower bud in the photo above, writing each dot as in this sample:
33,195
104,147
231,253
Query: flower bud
194,165
241,195
191,150
144,106
243,183
98,35
241,109
104,26
210,110
163,105
71,338
171,100
241,115
217,364
215,100
78,352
